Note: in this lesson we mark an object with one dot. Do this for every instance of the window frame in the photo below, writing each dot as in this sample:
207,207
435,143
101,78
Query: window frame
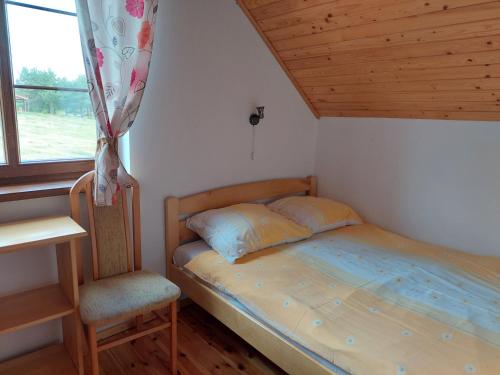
14,171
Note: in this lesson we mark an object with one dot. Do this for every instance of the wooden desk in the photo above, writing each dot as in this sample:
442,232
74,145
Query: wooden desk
40,305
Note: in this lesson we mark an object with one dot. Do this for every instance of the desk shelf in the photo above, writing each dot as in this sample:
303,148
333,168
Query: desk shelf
26,309
52,360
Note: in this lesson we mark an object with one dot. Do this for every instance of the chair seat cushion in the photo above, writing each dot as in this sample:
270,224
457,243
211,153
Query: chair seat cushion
125,296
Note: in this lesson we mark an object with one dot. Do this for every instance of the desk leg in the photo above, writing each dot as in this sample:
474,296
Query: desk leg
68,279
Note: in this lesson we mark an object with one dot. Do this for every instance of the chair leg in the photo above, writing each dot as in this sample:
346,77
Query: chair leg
173,338
94,358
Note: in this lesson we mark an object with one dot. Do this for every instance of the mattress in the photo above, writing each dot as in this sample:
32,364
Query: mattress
369,301
185,253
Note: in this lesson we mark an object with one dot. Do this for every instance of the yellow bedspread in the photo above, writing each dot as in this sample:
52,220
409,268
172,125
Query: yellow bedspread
372,302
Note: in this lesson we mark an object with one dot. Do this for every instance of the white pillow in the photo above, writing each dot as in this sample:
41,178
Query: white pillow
244,228
317,214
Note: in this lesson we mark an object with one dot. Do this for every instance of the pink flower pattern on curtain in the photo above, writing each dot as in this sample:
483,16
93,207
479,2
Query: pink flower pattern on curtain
117,41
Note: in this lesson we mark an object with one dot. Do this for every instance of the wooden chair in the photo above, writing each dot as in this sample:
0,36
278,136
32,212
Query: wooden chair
120,289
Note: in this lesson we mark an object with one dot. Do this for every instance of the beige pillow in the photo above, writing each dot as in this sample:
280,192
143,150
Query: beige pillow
317,214
244,228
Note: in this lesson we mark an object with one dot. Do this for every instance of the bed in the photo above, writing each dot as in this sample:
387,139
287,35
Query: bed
357,300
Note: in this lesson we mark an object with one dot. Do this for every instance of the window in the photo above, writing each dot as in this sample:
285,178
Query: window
47,128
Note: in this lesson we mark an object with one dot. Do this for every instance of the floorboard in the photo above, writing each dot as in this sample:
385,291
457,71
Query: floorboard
206,347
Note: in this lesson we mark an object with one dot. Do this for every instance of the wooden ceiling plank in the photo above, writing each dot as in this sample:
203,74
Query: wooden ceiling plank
415,114
321,15
329,17
416,38
423,22
403,64
252,4
462,85
406,106
467,96
448,47
492,71
285,6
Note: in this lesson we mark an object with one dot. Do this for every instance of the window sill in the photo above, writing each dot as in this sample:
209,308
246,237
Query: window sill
35,190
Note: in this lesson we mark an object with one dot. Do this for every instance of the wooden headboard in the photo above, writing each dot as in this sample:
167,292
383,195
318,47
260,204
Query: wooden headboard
177,210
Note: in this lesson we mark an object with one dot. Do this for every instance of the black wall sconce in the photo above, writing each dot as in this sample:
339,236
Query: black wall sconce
254,121
256,117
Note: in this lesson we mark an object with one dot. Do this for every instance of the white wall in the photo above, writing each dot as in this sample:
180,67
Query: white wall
436,181
209,71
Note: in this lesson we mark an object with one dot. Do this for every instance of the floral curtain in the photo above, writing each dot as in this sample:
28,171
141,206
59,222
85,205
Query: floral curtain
117,40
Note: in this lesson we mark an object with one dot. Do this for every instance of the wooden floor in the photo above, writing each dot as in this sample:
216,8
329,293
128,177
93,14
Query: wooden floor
205,347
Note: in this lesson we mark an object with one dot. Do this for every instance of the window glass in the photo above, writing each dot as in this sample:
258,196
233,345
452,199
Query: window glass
55,125
45,42
64,5
53,109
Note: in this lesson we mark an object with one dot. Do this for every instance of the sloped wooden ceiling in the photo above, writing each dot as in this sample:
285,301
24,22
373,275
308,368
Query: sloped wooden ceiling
436,59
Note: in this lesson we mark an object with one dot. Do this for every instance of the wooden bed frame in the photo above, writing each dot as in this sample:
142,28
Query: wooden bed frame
284,354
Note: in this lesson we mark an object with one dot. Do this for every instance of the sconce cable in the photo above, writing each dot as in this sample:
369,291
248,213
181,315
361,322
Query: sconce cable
252,155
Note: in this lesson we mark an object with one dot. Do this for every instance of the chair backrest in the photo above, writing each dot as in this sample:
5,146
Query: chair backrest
113,245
